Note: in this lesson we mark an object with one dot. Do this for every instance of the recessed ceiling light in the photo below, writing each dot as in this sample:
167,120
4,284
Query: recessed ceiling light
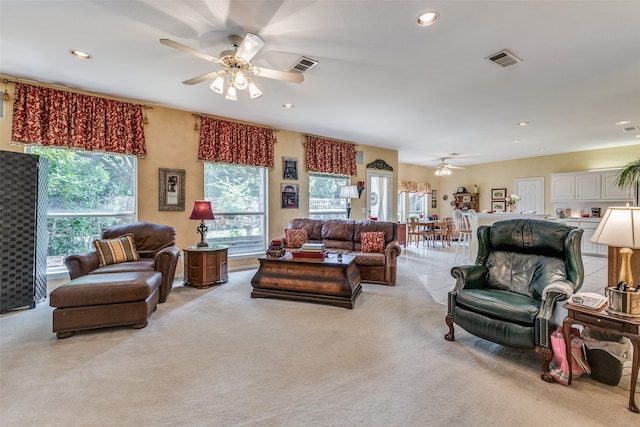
287,106
637,136
522,123
80,54
542,149
428,18
623,122
516,140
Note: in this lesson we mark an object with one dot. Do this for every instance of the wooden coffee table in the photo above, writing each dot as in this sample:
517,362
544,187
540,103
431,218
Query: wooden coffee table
332,281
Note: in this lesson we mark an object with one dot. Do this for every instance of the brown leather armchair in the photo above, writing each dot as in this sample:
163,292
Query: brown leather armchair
155,245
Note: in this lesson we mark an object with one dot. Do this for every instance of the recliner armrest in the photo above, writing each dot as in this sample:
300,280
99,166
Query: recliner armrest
469,276
80,265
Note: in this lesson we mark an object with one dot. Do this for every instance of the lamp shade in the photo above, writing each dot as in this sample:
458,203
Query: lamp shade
349,191
202,210
619,227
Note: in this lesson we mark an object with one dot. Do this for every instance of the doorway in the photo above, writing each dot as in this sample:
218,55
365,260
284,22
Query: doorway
531,192
380,200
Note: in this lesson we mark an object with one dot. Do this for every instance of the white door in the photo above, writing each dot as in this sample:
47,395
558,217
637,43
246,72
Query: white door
380,199
531,192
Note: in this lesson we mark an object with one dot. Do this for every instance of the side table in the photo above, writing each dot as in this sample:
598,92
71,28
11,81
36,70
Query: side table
604,321
205,266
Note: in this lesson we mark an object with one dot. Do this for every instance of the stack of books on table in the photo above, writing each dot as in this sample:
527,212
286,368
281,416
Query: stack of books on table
311,251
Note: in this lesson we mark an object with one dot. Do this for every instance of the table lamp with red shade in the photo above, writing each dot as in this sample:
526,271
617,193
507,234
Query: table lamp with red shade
202,210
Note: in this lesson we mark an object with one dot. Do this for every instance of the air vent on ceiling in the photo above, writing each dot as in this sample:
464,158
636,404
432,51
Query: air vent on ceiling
304,64
504,58
631,129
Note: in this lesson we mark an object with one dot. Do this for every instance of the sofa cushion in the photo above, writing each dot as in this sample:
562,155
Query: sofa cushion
114,251
372,241
143,264
313,227
527,274
149,238
370,258
295,238
500,304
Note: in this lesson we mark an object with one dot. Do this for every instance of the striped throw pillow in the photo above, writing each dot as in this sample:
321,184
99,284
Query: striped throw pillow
114,251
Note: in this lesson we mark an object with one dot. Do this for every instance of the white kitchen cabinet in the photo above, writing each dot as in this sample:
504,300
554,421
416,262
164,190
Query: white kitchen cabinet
586,246
591,186
611,191
588,186
562,187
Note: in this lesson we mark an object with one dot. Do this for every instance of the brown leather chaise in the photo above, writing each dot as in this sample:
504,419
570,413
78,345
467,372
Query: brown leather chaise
155,245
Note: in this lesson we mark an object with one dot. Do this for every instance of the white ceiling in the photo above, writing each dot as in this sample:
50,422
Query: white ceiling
381,79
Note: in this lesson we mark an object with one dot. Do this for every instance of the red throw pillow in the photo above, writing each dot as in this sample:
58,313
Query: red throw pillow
372,241
295,238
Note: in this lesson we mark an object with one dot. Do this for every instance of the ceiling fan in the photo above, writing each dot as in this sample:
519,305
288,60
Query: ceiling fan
237,66
444,168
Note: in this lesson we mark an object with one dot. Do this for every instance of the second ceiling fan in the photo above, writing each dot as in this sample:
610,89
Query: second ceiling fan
237,66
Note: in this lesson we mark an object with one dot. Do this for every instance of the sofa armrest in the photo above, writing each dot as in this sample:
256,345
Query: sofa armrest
469,276
392,251
166,261
80,265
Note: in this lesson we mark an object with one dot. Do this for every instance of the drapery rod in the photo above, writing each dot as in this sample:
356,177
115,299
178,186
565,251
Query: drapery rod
200,116
331,139
6,81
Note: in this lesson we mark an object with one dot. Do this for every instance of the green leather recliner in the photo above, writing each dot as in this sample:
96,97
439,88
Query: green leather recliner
523,267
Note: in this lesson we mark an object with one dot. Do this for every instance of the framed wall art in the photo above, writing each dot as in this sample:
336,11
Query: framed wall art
171,193
434,203
498,193
434,194
289,168
289,196
498,206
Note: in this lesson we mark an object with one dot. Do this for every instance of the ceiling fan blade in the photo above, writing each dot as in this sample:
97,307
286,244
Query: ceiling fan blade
189,50
249,47
288,76
455,167
208,76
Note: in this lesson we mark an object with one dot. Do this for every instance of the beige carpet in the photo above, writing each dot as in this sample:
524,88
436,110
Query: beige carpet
219,358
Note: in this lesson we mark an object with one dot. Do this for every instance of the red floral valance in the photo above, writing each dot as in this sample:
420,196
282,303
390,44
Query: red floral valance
236,143
56,118
330,156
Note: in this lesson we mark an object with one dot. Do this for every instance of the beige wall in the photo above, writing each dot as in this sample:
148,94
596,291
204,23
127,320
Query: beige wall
172,143
503,174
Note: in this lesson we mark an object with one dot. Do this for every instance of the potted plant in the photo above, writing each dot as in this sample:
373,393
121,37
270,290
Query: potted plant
629,177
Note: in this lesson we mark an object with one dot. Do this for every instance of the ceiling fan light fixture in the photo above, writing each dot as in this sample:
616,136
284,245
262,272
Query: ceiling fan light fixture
240,81
231,94
218,84
254,91
443,171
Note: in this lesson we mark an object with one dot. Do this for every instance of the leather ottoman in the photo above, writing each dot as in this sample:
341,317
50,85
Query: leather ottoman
103,300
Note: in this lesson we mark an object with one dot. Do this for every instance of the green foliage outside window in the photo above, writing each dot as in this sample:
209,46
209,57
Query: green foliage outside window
86,192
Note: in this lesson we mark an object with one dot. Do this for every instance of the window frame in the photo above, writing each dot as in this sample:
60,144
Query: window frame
338,213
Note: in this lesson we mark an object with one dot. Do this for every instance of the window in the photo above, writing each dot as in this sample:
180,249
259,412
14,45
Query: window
417,205
401,217
324,196
87,192
238,198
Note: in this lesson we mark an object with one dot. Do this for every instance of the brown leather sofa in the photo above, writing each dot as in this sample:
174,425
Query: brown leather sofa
344,236
156,248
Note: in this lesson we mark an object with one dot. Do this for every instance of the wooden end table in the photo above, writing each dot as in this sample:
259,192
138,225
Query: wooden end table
605,321
205,266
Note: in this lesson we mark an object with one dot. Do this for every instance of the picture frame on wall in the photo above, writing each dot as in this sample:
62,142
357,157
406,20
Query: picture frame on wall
498,206
434,194
289,195
498,193
434,203
171,189
289,168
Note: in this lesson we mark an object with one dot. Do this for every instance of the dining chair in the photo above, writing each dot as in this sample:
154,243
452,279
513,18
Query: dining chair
415,232
441,230
463,229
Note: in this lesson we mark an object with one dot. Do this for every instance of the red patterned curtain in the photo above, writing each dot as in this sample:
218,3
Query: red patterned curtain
330,156
56,118
235,143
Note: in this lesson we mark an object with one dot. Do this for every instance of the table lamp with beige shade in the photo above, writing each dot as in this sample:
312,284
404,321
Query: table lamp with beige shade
620,227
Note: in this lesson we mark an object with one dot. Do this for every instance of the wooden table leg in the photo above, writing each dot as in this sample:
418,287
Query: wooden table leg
566,330
634,374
